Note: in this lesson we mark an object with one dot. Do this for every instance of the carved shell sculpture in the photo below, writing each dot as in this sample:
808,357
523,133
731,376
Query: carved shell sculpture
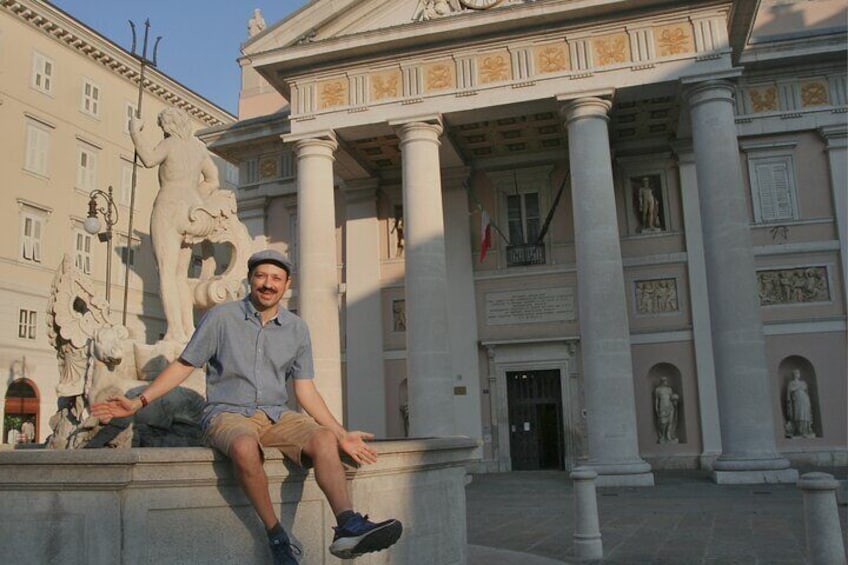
75,310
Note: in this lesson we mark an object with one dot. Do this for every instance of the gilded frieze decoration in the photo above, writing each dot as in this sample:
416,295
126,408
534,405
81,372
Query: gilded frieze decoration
674,39
268,168
763,99
793,286
814,93
385,84
439,76
656,296
332,93
611,49
551,58
494,67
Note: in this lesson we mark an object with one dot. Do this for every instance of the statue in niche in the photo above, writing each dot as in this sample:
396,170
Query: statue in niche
648,206
799,410
190,209
665,411
399,316
256,23
397,229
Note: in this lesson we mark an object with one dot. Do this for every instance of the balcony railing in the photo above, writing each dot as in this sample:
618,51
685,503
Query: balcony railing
525,254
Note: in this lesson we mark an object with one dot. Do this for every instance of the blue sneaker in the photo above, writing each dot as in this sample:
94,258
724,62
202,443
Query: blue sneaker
359,535
283,550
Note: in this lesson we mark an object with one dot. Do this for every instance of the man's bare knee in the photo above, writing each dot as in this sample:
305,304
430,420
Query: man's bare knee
244,451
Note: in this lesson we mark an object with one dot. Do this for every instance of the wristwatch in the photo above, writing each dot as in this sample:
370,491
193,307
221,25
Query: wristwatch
479,4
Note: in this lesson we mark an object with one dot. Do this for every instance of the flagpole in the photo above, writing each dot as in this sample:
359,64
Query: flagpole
480,209
145,62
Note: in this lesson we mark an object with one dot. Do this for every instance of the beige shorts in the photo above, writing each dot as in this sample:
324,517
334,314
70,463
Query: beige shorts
289,434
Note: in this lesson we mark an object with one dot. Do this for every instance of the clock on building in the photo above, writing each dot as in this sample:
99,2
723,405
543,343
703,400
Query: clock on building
479,4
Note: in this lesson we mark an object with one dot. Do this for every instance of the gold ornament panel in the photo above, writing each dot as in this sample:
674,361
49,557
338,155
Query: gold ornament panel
495,66
763,99
268,168
332,93
814,93
386,84
674,39
611,49
440,75
551,58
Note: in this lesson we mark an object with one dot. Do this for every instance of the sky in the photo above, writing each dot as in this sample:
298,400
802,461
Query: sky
200,38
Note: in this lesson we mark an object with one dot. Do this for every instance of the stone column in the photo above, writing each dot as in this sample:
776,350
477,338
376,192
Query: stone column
745,400
317,271
462,304
821,519
604,326
428,366
366,390
702,335
837,160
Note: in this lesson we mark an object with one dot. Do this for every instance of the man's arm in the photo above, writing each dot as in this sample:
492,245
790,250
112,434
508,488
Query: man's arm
120,406
351,443
150,156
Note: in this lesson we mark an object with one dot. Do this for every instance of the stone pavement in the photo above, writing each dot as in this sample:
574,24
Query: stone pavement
526,518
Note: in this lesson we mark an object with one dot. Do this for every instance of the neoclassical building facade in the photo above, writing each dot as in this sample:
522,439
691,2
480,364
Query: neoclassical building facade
66,93
661,188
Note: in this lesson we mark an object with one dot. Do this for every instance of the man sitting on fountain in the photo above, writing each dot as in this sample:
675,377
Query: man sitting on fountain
251,348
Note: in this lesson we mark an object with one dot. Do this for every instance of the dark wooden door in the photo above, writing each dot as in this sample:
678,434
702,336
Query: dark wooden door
535,420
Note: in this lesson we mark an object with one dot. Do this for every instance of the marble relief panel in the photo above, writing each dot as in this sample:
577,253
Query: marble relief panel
494,67
332,93
674,39
611,49
440,75
656,296
793,286
552,58
385,84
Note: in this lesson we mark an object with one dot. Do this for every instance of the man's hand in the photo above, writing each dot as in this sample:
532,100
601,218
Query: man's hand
117,406
353,443
136,124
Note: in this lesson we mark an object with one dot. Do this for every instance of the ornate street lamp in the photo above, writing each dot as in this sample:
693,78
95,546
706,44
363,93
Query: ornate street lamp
109,211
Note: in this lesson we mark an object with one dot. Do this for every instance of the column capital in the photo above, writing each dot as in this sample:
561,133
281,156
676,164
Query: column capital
711,90
684,151
836,136
409,130
588,107
327,137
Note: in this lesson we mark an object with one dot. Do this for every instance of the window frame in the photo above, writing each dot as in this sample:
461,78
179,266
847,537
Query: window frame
86,178
779,155
90,102
37,150
27,324
83,258
33,242
43,73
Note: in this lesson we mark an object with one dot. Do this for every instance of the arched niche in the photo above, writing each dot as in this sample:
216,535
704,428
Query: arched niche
660,376
807,373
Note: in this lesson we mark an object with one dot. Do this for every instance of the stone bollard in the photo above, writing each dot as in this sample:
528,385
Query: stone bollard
821,519
587,532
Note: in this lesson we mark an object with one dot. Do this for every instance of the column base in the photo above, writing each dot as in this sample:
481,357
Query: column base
732,471
633,474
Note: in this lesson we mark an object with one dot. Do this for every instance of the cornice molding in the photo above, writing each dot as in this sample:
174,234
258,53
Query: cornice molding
75,35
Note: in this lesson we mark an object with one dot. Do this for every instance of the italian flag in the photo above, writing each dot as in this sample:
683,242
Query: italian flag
485,234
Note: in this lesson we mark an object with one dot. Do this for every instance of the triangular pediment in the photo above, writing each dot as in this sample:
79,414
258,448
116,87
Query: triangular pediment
322,20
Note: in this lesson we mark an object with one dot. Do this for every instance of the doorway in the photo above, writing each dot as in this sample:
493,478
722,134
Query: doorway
534,401
21,412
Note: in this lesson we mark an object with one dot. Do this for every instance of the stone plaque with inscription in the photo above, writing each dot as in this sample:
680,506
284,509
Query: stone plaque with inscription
530,306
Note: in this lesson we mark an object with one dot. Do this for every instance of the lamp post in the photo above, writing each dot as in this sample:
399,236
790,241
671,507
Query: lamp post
109,211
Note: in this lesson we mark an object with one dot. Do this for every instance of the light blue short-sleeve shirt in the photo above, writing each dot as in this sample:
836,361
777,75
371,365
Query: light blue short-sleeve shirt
248,364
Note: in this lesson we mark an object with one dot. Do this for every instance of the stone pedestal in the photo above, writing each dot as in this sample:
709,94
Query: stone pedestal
183,505
587,531
821,519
